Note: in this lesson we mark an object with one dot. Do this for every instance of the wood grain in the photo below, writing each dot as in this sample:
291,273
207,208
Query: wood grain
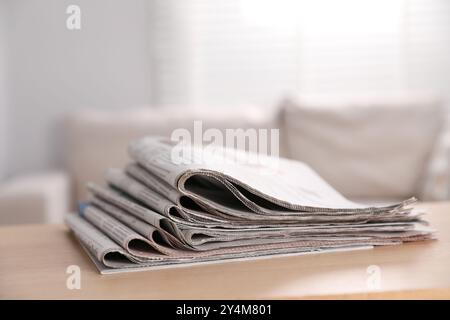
34,258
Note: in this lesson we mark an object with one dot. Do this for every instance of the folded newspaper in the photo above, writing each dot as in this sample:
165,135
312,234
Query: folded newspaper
178,205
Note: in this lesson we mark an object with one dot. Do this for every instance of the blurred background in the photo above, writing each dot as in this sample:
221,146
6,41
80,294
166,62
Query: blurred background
358,89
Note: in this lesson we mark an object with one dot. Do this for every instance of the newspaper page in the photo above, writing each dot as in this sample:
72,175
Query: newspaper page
199,237
292,188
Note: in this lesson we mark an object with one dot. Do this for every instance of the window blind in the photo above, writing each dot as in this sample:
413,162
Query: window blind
247,51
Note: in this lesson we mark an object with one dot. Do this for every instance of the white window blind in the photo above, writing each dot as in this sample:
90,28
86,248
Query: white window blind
257,51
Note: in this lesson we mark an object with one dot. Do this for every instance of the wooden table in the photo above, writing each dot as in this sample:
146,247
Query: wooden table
34,258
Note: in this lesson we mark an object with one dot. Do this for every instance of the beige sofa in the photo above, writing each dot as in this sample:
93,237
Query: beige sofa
371,152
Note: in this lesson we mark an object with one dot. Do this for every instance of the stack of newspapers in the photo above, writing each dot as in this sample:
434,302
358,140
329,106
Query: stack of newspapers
177,205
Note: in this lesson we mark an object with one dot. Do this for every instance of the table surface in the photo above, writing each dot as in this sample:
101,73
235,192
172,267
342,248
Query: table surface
34,260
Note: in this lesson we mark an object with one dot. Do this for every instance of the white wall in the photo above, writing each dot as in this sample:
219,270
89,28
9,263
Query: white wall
3,90
53,70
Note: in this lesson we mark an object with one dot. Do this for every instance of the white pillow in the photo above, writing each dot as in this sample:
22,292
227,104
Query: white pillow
363,149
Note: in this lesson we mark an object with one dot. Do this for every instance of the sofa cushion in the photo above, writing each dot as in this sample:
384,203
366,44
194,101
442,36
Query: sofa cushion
365,149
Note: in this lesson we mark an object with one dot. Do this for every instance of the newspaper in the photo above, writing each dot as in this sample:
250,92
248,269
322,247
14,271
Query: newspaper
293,187
157,212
